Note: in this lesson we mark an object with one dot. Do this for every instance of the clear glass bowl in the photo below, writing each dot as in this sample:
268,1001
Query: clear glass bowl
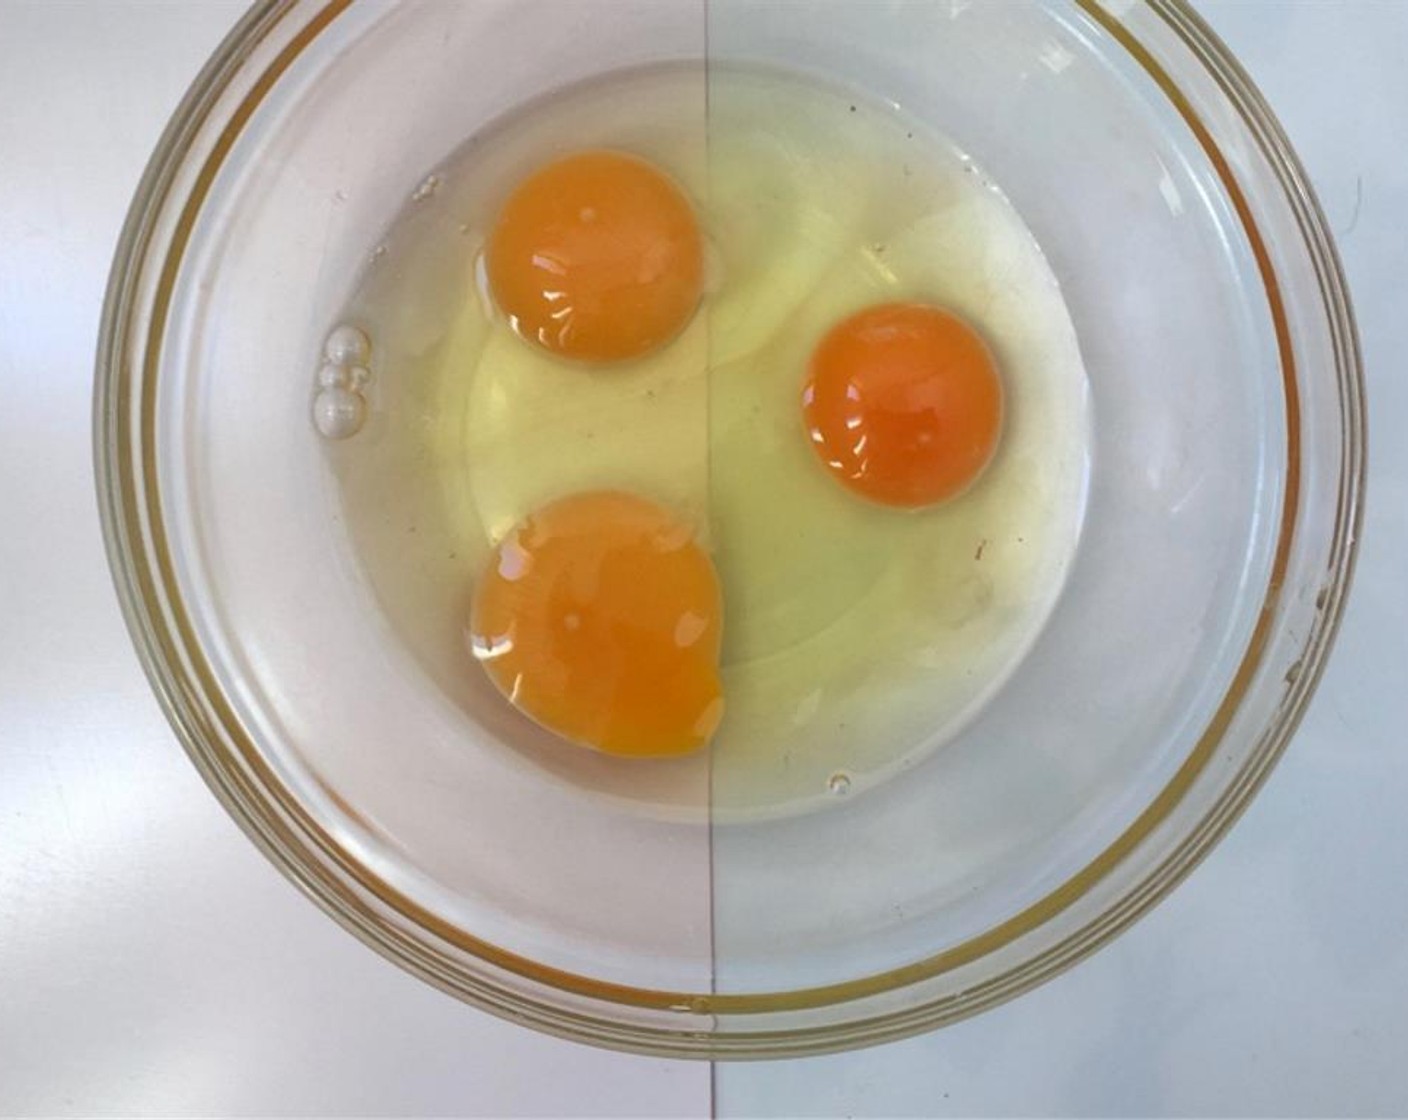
1224,501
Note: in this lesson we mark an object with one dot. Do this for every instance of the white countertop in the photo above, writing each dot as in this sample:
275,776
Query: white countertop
151,961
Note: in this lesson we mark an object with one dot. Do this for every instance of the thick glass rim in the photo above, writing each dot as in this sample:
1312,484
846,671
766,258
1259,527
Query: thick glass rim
141,287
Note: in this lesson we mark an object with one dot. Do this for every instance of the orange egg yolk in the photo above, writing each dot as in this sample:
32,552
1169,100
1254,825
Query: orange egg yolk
600,617
597,257
903,404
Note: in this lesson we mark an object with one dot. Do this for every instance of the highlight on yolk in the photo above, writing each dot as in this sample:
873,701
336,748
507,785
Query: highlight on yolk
597,257
600,617
903,404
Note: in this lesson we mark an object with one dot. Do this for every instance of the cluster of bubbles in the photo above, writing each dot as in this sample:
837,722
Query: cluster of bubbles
339,408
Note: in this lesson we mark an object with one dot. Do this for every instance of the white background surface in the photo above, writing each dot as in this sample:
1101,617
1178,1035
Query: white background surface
152,962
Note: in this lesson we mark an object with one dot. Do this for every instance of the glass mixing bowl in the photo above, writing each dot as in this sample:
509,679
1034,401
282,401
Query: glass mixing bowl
1226,473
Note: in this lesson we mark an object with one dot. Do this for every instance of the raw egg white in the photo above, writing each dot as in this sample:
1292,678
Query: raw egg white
859,623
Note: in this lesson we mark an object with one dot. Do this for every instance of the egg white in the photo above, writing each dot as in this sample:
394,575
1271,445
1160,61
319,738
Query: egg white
856,638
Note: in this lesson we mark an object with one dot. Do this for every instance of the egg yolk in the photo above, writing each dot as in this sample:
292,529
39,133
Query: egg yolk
903,404
597,257
599,617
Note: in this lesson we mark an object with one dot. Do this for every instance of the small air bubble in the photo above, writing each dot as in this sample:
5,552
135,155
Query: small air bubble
338,413
428,186
839,784
347,346
334,377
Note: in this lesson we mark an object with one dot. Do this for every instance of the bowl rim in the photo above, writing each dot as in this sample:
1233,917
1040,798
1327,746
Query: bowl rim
143,573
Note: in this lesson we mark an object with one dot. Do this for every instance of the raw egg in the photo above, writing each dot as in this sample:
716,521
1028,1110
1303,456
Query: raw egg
860,638
903,404
600,617
597,257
